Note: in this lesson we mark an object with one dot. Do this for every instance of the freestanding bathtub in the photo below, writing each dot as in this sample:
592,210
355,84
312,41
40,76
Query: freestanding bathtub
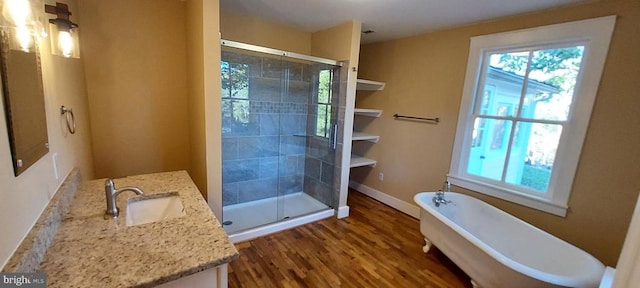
499,250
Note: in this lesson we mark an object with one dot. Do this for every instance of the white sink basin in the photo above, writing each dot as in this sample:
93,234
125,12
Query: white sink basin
153,208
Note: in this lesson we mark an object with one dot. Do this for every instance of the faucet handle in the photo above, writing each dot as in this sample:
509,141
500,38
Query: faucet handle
109,183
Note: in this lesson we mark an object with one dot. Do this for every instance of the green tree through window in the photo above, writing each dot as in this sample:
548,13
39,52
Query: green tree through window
323,121
235,92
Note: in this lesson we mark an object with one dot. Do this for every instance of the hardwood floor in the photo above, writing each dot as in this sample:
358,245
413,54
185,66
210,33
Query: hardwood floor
376,246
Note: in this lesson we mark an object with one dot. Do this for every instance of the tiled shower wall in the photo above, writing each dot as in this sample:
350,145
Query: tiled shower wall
266,156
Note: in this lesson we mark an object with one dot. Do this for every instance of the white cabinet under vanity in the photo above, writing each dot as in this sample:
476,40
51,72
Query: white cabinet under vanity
87,249
210,278
365,85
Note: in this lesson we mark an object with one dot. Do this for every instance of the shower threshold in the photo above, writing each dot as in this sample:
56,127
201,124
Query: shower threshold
251,219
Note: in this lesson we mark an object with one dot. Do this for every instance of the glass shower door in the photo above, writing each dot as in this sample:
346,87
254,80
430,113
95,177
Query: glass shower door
316,88
251,100
278,137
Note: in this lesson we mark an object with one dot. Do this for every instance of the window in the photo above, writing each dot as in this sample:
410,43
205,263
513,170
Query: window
525,109
323,121
235,94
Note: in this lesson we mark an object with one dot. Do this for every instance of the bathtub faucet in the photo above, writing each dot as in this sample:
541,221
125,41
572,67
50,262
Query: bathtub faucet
439,198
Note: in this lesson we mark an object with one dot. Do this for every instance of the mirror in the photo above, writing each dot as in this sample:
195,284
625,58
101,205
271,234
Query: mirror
24,104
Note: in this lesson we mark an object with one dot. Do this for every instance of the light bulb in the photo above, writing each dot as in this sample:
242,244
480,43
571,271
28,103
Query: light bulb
65,43
17,11
24,38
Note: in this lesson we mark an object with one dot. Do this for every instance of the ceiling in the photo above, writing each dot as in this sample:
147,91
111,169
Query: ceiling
390,19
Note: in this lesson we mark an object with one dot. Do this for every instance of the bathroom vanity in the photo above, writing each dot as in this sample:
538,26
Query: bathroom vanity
191,250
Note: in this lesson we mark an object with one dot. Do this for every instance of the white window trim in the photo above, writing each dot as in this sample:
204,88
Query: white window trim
596,34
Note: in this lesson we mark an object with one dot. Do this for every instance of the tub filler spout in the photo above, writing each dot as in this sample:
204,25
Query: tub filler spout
439,197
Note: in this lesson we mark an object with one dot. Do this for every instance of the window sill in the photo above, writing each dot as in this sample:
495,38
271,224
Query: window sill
527,200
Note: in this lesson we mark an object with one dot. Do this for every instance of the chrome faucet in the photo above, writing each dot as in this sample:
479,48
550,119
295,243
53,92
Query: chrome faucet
112,193
439,198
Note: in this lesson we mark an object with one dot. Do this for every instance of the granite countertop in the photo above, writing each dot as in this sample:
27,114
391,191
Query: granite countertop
89,251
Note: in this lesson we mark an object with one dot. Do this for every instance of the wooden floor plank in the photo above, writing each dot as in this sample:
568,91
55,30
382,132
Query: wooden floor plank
376,246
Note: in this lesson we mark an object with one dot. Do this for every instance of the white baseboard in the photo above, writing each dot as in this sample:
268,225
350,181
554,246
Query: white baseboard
402,206
343,212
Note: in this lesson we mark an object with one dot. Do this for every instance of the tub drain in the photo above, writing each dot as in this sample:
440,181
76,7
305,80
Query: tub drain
227,223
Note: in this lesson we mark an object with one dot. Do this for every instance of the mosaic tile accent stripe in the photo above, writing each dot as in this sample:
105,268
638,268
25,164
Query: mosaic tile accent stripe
264,107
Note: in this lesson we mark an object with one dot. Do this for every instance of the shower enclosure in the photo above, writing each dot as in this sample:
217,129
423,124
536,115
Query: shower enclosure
279,135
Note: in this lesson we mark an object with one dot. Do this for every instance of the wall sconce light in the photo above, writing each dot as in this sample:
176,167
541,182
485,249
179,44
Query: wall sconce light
64,33
21,21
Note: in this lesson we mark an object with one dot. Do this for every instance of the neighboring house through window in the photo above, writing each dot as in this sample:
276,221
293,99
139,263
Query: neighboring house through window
525,109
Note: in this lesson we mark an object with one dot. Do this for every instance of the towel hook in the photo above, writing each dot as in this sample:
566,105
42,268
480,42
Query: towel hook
70,118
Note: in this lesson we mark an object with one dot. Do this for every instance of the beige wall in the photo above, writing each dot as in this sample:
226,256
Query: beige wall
341,42
135,58
205,122
23,198
195,87
212,103
425,75
252,30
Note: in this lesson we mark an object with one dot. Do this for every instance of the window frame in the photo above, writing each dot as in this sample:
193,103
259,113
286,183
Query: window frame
327,105
595,35
231,98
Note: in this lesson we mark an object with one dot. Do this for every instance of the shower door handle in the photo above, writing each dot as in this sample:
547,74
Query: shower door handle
334,137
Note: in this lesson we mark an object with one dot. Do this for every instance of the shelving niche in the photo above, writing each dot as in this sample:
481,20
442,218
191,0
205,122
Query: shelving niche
361,136
366,85
368,112
369,85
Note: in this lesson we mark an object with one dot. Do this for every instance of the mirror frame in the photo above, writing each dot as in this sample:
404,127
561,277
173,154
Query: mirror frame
25,116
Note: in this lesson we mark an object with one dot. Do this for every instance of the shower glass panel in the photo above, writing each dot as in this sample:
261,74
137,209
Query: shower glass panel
278,127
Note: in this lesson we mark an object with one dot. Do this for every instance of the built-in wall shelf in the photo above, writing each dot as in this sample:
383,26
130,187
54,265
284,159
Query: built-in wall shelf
366,85
359,161
367,112
369,85
360,136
